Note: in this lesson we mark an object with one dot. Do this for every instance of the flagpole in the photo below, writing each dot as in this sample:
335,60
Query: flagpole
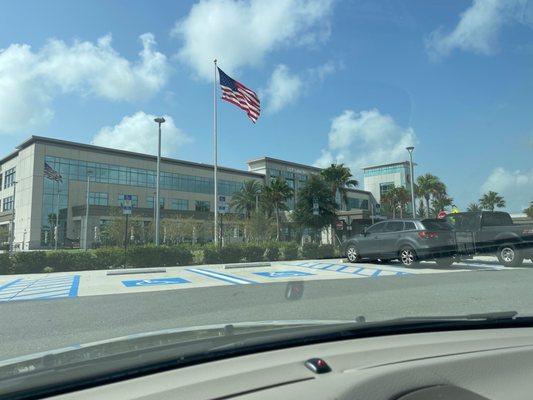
215,152
57,218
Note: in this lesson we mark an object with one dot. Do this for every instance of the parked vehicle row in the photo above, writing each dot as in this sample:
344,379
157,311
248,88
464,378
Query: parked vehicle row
455,237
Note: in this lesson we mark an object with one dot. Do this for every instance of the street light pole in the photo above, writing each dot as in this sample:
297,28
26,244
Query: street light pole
12,233
86,244
410,150
159,121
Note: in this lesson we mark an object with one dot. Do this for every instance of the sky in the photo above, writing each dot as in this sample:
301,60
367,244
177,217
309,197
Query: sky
351,81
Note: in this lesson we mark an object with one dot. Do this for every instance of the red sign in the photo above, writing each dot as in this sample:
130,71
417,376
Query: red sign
339,225
441,215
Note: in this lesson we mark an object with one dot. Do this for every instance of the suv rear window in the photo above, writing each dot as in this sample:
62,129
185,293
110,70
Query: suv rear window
436,225
409,226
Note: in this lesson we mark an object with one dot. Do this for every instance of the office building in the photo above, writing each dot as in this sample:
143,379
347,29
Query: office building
35,205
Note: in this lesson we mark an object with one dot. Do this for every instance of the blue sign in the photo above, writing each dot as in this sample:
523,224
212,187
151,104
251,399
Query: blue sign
282,274
153,282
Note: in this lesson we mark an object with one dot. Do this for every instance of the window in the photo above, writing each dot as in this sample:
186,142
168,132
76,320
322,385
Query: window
1,181
384,188
98,199
352,204
9,178
201,205
179,204
409,226
496,219
151,200
394,226
379,227
134,200
7,204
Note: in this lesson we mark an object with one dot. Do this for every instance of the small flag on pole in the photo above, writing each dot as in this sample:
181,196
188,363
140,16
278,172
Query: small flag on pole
52,174
236,93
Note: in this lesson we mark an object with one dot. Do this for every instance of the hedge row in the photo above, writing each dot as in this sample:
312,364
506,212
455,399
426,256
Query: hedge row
152,256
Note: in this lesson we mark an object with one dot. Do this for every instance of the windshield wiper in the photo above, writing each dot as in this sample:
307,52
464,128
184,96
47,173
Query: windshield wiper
491,316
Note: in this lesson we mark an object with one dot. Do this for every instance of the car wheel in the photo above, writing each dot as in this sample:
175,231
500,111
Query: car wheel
352,254
509,256
407,256
444,261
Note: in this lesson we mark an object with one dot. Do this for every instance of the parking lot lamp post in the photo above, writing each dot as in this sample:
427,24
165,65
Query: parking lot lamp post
410,150
159,121
86,244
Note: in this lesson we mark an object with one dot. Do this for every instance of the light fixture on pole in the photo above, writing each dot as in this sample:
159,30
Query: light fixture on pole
86,242
159,121
410,150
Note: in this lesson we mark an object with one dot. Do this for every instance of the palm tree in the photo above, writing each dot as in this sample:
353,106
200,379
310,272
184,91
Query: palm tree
529,210
490,200
473,207
421,210
277,193
315,190
396,199
246,200
440,202
339,178
428,185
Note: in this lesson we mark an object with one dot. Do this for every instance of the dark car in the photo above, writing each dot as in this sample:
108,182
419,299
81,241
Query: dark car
408,240
494,233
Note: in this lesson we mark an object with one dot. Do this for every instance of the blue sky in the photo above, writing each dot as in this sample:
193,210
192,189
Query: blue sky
340,81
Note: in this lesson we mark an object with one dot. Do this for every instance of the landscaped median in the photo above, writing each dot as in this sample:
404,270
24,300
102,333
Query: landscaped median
158,256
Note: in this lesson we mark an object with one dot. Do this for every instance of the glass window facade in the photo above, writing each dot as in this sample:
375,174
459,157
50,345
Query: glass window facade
200,205
114,174
7,204
179,204
134,200
389,169
9,178
357,204
98,199
384,188
150,200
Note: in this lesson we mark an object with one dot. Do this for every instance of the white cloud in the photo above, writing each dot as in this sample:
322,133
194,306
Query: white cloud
360,139
29,81
242,33
283,89
321,72
138,133
515,186
478,27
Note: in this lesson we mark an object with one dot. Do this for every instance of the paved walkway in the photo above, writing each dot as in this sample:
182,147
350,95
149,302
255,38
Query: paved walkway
90,283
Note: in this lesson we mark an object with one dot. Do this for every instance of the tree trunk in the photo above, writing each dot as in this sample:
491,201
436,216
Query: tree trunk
401,211
277,224
427,206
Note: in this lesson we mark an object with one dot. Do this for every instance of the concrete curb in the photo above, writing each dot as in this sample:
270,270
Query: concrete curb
136,271
247,265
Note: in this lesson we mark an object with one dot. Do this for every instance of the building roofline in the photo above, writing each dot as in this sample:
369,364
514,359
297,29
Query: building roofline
349,189
387,165
35,139
284,162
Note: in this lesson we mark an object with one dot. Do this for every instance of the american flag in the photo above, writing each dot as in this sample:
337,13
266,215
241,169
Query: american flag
236,93
52,174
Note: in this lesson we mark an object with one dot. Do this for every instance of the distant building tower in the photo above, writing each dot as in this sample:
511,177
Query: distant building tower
379,179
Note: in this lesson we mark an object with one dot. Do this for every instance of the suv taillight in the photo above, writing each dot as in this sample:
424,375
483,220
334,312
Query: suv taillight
427,235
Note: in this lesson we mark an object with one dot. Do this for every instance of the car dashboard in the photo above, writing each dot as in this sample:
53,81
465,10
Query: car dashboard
465,365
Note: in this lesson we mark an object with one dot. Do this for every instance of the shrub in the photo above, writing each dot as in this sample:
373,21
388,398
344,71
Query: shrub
289,251
230,253
48,270
153,256
326,251
310,250
272,252
5,264
253,252
28,262
70,260
108,257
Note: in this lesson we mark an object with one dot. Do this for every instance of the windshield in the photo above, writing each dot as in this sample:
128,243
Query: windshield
210,163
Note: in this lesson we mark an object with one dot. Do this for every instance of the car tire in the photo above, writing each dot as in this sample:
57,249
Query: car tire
444,261
407,256
352,253
509,256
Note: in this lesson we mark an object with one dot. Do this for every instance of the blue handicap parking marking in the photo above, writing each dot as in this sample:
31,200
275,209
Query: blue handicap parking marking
282,274
153,282
50,287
